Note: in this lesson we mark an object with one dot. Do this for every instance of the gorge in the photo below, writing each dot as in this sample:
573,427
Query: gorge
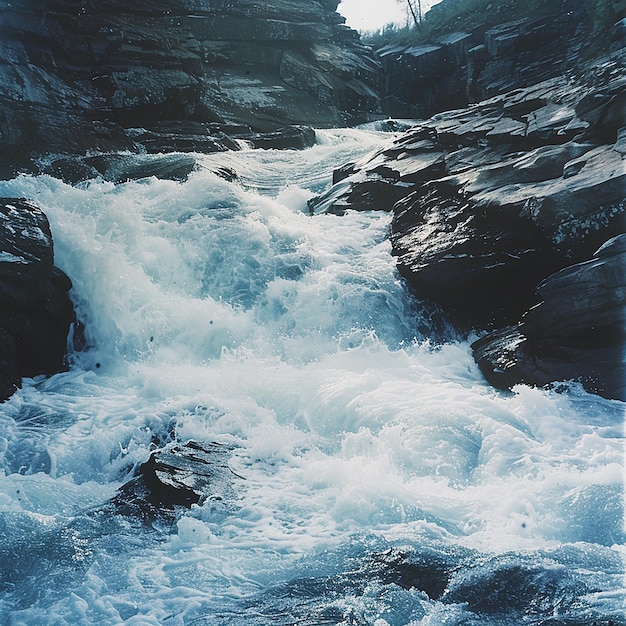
327,335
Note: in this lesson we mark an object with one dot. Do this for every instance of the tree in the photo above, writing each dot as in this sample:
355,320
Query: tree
415,7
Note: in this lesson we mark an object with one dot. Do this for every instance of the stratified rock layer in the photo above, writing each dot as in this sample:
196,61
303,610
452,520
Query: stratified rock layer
35,310
110,75
490,200
472,63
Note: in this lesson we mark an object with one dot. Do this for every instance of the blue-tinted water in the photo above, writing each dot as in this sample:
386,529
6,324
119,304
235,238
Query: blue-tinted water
383,482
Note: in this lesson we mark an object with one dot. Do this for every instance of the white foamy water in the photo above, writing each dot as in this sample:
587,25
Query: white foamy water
221,311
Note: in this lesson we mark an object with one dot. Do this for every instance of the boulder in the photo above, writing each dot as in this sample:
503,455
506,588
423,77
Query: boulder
481,265
175,478
577,331
35,309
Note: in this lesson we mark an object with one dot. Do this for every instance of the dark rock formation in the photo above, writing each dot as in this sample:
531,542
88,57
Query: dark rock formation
118,168
175,478
490,200
577,332
35,310
541,588
424,79
173,75
452,69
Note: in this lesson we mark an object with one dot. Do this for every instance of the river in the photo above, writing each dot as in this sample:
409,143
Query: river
361,427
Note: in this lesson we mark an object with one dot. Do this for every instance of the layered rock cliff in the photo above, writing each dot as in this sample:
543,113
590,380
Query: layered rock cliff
176,75
492,203
469,51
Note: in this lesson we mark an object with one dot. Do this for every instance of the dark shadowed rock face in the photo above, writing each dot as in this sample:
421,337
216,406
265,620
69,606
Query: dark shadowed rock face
112,75
540,588
175,478
35,310
577,332
454,69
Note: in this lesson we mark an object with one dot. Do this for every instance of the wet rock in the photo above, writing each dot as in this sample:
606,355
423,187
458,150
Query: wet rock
35,310
155,77
295,137
119,168
377,182
176,478
429,569
490,200
511,587
481,265
545,587
577,331
499,194
180,136
517,586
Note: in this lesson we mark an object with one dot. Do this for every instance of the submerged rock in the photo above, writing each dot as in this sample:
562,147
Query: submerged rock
176,478
400,585
35,309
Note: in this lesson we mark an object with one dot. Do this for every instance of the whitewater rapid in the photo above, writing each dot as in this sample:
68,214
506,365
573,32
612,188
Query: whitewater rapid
222,311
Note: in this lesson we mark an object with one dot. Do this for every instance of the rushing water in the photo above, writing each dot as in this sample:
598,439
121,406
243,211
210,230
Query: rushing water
362,429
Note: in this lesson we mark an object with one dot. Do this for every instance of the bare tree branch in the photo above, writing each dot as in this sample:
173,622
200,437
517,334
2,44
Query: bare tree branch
415,7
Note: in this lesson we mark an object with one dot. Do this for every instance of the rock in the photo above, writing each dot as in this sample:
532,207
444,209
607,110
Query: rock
480,265
421,80
577,332
162,137
295,137
489,200
429,568
454,69
158,76
379,181
35,310
175,478
525,585
118,168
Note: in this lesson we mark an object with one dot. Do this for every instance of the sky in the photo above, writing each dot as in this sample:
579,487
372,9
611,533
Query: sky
374,14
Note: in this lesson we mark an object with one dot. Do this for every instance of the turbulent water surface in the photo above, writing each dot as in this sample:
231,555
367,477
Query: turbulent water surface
382,480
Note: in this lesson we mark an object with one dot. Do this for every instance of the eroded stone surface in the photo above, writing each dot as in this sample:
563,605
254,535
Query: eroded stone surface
577,331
